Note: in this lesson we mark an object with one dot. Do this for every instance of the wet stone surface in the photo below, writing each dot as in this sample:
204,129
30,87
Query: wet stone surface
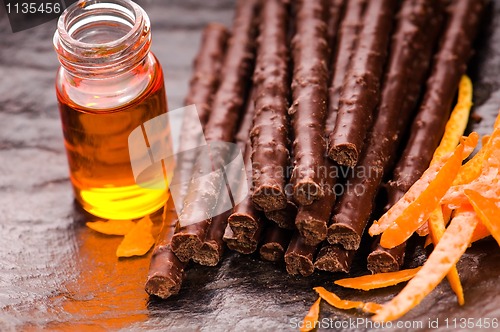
57,274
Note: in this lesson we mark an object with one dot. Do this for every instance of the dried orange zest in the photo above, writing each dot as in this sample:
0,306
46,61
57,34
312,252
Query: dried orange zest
311,319
471,170
338,303
480,232
138,241
488,210
445,255
409,213
437,229
378,280
457,123
112,227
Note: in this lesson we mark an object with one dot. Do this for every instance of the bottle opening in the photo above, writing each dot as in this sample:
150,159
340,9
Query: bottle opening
107,33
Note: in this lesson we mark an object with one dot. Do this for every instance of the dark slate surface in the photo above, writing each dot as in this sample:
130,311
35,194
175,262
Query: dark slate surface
57,274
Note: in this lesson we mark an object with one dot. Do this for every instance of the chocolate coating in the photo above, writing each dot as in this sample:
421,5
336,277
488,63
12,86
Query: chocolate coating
309,87
207,66
449,65
361,87
413,42
341,56
270,155
428,127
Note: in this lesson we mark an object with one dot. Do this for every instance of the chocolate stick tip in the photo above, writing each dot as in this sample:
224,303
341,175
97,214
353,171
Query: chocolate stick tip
186,245
314,231
333,258
269,198
345,154
272,252
209,254
344,235
299,264
306,192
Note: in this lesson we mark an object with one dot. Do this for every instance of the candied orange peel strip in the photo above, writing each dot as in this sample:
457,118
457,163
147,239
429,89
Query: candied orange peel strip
111,227
437,229
335,301
445,255
488,211
480,232
409,213
311,319
138,241
378,280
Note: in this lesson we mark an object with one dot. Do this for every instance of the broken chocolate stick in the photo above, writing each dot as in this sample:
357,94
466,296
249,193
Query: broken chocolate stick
429,124
166,271
334,258
275,243
312,220
361,87
309,90
204,191
269,135
411,52
206,70
342,53
299,256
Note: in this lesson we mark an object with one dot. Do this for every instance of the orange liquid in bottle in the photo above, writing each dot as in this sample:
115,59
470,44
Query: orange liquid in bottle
99,161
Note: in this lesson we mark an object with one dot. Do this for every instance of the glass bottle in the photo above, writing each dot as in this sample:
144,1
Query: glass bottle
109,84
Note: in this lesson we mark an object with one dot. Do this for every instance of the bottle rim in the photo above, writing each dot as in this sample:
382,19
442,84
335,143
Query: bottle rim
124,52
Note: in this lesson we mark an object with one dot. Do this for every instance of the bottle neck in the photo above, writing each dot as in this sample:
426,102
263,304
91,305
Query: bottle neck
97,40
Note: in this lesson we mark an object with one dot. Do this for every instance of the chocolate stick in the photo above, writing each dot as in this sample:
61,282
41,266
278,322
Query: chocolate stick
341,56
203,85
275,243
428,127
166,271
299,256
361,87
204,193
334,258
332,24
284,218
206,70
411,51
269,135
309,87
213,246
449,65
